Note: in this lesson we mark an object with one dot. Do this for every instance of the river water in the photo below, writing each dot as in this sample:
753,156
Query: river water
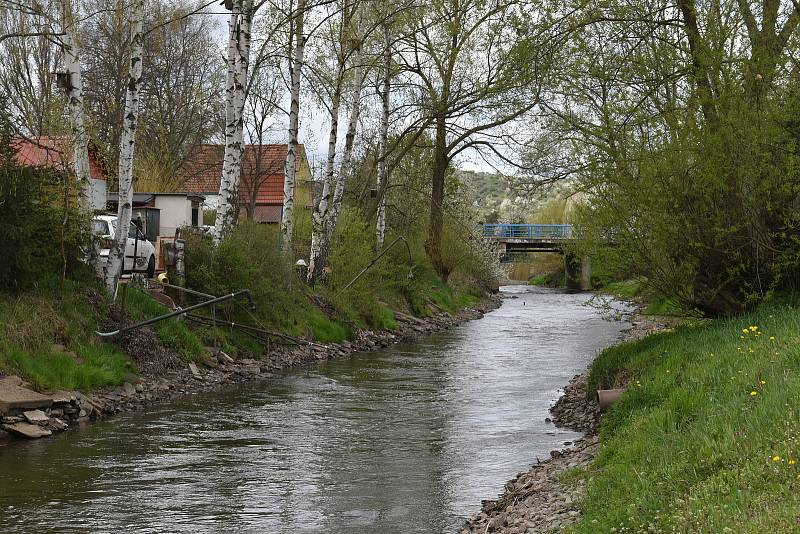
405,440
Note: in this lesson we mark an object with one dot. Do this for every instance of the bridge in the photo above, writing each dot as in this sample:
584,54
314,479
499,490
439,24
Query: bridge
543,238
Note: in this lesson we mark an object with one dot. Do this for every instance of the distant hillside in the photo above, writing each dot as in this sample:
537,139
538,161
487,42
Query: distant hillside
496,198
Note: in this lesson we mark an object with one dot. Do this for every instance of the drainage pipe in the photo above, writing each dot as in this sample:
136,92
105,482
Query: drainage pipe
607,397
181,311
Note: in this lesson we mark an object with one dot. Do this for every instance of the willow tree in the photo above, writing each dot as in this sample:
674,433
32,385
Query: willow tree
470,78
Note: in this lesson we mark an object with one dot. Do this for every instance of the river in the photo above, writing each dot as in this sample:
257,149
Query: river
405,440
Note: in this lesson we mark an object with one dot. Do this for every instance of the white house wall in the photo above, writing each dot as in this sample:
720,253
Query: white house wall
176,211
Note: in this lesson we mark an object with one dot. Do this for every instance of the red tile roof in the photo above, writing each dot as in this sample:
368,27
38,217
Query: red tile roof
55,152
262,167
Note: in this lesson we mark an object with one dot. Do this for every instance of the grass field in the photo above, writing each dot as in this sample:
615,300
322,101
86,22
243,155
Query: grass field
707,437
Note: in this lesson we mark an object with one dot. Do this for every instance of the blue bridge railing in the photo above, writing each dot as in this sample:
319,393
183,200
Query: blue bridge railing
528,231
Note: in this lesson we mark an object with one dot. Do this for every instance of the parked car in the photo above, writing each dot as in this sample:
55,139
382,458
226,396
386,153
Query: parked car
140,254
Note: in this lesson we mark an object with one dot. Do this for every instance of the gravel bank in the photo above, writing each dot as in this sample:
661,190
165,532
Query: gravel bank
537,501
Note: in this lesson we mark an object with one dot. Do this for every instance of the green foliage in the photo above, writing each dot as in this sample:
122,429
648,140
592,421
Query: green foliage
706,438
555,279
96,366
32,234
31,322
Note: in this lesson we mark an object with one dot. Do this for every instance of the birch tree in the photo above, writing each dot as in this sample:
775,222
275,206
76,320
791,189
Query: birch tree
383,138
320,235
127,145
350,136
74,90
298,40
235,96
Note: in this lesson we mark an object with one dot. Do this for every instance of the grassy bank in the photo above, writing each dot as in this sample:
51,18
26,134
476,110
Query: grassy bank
706,439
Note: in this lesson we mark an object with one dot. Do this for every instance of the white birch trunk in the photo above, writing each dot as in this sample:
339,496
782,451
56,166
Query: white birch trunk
77,121
290,167
127,144
239,28
344,169
319,243
383,142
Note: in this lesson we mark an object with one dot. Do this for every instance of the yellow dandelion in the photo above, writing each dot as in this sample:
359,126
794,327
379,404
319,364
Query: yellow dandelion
745,331
753,328
776,458
772,338
792,461
753,393
763,382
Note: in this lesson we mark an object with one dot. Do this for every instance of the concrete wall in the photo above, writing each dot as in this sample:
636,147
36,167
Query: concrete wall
176,211
95,193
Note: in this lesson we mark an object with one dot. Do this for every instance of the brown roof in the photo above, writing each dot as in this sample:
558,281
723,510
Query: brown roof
53,152
262,165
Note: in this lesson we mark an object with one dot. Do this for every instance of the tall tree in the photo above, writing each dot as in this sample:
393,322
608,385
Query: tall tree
74,89
235,96
470,81
116,255
297,47
383,138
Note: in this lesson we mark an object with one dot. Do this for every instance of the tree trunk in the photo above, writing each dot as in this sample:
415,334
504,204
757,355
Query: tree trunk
433,246
347,155
77,121
236,82
126,150
290,168
319,243
383,142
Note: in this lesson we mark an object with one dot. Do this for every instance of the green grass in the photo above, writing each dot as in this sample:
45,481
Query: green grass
173,333
102,365
324,330
690,447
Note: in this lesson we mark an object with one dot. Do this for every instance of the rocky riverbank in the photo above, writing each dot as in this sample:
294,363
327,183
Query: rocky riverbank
31,414
539,501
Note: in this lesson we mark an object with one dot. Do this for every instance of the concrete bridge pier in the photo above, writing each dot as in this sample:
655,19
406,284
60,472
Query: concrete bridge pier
577,273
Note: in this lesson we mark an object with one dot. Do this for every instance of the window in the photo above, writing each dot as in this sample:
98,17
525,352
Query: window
100,227
195,213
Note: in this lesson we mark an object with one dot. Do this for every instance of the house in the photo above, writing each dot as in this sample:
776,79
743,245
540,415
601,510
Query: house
57,153
163,213
261,185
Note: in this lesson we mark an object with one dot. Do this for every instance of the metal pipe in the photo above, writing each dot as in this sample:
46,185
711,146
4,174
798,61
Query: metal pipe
181,311
190,291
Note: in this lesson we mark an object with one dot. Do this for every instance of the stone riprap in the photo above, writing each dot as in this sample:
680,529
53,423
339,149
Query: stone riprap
63,409
537,502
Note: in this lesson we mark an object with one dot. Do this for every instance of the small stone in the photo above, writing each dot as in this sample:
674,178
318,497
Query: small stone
129,389
27,430
57,348
36,417
195,371
58,425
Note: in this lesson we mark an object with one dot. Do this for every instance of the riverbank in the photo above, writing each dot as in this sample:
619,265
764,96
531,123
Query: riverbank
546,498
60,410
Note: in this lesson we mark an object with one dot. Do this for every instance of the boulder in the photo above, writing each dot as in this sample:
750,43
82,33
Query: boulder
36,417
27,430
195,371
15,398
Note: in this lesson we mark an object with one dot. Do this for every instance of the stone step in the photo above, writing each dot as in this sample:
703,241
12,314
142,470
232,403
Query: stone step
15,398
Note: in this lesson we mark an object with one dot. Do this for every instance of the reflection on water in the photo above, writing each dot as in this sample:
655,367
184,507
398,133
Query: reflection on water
409,439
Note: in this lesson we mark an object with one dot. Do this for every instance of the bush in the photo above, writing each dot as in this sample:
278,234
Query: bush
34,241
